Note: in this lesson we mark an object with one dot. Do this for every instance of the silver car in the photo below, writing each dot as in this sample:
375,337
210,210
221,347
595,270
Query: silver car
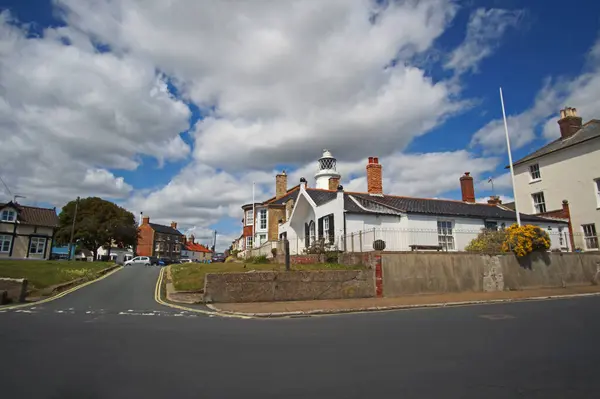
138,260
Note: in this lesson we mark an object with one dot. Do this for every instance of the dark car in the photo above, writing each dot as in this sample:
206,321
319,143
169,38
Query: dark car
218,257
165,261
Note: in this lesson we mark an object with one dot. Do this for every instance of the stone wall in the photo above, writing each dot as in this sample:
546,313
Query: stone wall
288,286
420,273
16,289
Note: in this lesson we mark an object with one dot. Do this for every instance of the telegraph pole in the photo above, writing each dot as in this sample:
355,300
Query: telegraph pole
73,229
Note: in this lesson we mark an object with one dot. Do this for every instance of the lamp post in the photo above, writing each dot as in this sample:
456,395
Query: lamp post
73,230
512,170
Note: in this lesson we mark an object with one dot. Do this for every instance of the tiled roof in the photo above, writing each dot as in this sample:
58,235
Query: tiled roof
321,196
589,131
35,216
159,228
439,207
195,247
291,194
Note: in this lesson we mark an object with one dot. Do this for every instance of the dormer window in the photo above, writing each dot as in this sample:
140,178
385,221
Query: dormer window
8,215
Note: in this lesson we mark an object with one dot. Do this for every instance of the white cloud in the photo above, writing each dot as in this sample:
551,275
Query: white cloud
484,29
287,77
579,92
69,113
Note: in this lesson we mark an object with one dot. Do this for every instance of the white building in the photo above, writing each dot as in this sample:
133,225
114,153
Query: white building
351,221
568,168
118,255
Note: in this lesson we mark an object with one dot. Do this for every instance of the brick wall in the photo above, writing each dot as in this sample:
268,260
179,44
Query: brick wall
274,214
145,245
374,176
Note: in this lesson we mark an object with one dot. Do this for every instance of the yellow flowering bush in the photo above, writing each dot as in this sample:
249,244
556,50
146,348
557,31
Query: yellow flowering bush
523,240
488,241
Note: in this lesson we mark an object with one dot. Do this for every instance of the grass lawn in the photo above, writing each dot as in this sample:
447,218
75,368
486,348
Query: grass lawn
190,276
42,274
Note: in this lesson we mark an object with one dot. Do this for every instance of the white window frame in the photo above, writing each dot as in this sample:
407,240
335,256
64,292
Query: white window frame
446,234
534,172
8,215
250,217
597,190
262,238
249,242
5,243
35,244
262,218
312,231
590,235
539,202
326,228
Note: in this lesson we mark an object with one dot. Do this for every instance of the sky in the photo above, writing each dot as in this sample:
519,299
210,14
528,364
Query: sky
174,108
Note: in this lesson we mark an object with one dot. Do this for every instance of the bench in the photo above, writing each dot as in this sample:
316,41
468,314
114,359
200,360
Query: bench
426,247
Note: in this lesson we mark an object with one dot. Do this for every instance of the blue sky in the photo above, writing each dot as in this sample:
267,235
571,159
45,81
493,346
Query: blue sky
166,112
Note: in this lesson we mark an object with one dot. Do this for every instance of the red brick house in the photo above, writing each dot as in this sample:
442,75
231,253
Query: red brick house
159,240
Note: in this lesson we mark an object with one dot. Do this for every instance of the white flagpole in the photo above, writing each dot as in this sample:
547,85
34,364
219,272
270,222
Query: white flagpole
512,171
253,214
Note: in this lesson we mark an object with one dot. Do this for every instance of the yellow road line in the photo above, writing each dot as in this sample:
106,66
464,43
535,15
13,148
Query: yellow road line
70,290
157,298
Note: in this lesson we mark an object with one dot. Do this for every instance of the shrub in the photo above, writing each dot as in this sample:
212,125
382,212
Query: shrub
274,252
488,241
523,240
260,259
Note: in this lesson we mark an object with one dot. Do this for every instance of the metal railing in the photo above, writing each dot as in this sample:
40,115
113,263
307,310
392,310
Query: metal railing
450,240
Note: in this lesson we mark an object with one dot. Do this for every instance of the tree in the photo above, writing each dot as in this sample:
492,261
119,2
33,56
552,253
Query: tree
98,223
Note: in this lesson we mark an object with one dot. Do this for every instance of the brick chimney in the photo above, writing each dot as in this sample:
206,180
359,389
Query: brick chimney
494,200
374,178
174,225
569,122
334,182
467,188
146,220
280,184
193,239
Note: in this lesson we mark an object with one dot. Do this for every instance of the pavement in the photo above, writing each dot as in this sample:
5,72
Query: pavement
288,308
130,346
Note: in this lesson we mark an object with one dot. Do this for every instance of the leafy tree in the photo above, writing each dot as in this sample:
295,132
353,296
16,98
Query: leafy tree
98,223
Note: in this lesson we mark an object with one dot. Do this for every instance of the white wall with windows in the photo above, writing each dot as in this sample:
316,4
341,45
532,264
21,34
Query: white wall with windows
572,174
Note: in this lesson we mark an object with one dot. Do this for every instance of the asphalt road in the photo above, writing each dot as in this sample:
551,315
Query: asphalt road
111,340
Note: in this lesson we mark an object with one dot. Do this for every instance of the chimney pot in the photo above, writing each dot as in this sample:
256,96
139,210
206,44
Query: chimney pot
494,200
569,122
374,176
340,188
174,225
146,220
467,188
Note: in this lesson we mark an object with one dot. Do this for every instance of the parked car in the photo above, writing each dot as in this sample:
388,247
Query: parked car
139,260
218,257
185,261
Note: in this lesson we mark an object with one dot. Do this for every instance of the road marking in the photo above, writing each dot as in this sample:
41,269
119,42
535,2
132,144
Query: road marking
158,299
497,316
57,296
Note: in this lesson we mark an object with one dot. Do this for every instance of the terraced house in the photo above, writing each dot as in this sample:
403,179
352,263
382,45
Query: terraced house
26,232
562,179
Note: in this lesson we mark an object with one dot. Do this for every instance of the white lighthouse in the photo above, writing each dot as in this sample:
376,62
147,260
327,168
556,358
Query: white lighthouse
326,170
